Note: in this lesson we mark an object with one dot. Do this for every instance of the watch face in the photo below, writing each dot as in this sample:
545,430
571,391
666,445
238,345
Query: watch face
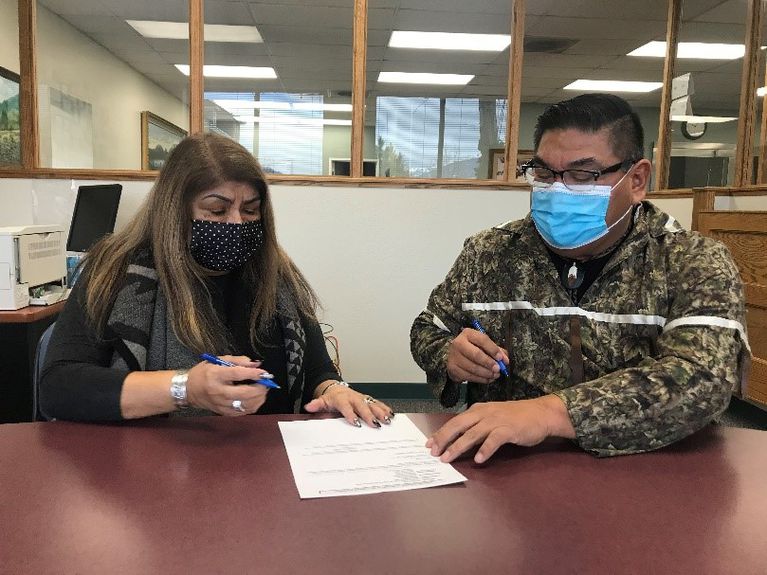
693,130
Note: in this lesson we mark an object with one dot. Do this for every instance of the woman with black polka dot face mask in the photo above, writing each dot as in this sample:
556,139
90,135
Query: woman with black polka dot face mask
197,271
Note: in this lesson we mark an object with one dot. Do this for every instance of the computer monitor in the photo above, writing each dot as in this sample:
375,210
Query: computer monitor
94,216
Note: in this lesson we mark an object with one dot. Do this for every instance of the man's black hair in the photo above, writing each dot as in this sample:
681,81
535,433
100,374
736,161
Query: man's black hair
591,113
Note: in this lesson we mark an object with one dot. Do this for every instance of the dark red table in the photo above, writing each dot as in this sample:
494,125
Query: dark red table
216,495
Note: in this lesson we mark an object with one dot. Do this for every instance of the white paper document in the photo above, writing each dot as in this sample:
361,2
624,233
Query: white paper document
329,458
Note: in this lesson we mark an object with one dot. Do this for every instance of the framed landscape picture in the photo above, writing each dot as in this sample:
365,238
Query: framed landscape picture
158,138
10,141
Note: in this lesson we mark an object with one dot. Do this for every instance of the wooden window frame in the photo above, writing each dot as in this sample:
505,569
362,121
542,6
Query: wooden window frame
30,146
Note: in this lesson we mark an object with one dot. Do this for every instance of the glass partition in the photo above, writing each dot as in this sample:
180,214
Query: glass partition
10,140
436,87
760,125
706,93
109,95
582,47
278,79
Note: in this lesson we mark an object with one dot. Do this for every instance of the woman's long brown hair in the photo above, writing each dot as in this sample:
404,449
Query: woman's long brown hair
163,224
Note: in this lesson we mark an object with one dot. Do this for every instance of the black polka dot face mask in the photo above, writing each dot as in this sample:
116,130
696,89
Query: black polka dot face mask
224,246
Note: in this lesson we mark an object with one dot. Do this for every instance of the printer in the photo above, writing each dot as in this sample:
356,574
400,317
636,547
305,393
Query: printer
33,265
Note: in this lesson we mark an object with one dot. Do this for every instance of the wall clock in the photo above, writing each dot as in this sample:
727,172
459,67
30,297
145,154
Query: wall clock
693,130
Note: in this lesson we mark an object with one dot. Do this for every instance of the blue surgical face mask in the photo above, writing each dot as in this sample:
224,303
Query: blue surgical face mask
570,218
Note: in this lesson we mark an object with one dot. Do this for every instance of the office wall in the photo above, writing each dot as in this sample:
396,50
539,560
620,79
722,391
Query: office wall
73,64
9,35
372,254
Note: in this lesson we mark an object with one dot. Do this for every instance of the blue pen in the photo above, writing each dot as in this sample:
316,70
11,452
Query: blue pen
218,361
478,327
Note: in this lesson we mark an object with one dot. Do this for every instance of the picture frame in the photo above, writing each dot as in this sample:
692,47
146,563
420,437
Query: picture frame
497,169
10,119
158,138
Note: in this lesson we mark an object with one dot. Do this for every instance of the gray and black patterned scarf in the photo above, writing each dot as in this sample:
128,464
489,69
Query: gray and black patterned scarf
143,337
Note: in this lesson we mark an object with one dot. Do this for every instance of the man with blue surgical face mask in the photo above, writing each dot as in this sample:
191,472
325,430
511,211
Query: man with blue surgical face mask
604,321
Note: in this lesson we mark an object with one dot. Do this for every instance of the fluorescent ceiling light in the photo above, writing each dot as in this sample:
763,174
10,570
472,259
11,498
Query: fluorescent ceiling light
210,71
613,86
761,91
449,41
701,119
424,78
180,31
288,121
234,106
692,50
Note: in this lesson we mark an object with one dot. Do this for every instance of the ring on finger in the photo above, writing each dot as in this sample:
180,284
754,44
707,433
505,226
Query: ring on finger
238,406
369,399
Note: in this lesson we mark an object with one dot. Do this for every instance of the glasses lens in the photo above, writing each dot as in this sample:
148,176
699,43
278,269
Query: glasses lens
578,180
539,176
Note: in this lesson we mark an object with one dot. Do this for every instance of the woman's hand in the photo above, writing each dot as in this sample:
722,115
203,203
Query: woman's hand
351,404
212,386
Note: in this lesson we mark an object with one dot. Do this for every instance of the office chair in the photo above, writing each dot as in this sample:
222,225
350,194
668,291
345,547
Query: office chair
42,348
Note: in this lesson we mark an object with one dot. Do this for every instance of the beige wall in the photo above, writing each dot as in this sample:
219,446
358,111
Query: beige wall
72,63
9,35
372,254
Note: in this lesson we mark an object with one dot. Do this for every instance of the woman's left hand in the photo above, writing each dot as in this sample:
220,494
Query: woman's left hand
353,405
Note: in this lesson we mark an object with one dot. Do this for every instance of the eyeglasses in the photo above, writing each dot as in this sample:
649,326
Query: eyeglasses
575,180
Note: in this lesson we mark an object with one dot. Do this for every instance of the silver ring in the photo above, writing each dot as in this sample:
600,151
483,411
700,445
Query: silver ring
237,406
369,399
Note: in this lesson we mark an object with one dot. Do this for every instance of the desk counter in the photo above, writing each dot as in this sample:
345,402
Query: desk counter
216,495
20,330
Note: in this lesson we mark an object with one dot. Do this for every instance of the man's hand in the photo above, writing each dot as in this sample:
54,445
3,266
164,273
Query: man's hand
524,422
472,357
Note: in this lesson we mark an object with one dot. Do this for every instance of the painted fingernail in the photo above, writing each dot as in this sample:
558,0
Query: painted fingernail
356,422
387,420
376,423
391,413
267,375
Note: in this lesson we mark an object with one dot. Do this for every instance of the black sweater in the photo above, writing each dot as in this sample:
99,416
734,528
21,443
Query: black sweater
78,384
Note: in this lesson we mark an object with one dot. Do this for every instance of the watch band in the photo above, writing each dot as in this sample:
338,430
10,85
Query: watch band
178,388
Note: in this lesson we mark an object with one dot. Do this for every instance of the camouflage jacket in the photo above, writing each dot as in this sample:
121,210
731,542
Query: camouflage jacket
661,331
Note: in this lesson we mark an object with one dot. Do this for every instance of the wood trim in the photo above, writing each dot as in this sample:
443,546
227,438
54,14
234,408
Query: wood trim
30,133
668,194
359,67
750,190
702,201
368,182
79,174
744,149
756,387
514,93
196,59
739,221
139,175
663,162
464,184
755,295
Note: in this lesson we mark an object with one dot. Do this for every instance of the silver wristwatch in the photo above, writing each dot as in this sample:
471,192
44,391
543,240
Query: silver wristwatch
178,388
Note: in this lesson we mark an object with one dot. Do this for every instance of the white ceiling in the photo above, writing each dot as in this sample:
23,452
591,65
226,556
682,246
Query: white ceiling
309,44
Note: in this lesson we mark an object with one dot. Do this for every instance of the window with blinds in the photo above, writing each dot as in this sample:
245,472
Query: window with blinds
422,137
